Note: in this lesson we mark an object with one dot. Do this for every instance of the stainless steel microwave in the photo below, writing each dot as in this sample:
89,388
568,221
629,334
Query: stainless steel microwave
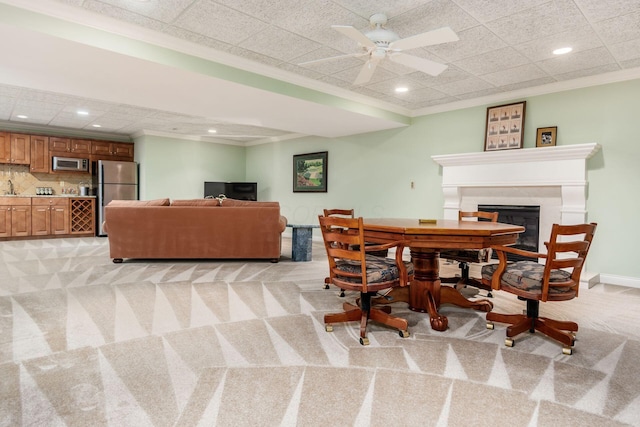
70,164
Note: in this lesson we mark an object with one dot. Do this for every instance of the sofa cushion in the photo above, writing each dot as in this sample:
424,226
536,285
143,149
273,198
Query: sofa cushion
138,203
196,202
249,203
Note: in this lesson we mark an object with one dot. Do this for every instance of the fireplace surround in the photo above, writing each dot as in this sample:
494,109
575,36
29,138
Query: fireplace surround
554,178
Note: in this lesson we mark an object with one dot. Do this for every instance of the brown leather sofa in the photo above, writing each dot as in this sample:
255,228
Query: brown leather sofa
199,228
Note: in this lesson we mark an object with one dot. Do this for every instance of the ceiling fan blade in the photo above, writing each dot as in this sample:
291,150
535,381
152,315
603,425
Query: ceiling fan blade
354,34
420,64
366,72
331,58
441,35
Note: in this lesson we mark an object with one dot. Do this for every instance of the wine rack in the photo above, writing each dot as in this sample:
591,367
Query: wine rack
82,216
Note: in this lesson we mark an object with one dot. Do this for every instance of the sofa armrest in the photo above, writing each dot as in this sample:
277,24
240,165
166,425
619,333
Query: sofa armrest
283,223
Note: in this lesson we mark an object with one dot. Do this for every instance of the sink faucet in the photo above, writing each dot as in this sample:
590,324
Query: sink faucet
11,191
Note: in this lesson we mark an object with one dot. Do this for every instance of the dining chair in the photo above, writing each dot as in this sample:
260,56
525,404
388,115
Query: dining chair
352,268
346,213
466,256
557,278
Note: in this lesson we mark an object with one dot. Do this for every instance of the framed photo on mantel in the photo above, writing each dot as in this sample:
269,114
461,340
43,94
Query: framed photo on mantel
505,127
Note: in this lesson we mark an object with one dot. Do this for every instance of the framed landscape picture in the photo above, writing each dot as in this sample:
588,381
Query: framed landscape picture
310,172
505,127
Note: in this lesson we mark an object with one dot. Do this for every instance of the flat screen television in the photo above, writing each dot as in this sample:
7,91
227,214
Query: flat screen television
233,190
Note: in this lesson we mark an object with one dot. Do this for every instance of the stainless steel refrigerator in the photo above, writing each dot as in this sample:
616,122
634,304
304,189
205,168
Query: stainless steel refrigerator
115,181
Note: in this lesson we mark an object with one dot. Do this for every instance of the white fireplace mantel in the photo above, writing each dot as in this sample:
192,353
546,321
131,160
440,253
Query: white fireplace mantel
554,178
562,166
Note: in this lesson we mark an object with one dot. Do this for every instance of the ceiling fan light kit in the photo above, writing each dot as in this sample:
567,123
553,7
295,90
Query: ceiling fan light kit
380,44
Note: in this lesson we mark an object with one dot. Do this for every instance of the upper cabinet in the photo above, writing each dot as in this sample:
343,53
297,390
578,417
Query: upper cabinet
69,145
40,158
15,148
107,150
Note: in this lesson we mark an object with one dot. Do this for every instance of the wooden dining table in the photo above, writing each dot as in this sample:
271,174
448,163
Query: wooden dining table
425,239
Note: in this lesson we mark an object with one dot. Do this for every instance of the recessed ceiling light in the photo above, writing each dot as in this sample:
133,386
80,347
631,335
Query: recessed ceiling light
212,131
402,89
82,113
96,126
562,50
22,116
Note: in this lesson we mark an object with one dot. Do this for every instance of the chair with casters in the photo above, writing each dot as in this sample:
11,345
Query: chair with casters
352,268
466,256
345,213
558,279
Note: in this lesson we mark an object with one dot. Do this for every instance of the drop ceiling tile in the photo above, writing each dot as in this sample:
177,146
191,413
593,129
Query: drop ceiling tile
161,10
576,62
599,10
581,39
196,38
433,102
490,10
626,51
619,29
540,21
10,91
420,95
388,87
607,68
254,56
481,93
471,84
515,75
122,14
280,44
219,22
632,63
432,15
451,74
489,62
529,83
474,41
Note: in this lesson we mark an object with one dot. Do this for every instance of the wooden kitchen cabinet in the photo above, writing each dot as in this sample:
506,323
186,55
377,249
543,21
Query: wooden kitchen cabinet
50,216
5,147
107,150
40,158
70,145
15,148
15,216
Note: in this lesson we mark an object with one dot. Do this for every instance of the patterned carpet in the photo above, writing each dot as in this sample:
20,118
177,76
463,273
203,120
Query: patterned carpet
85,342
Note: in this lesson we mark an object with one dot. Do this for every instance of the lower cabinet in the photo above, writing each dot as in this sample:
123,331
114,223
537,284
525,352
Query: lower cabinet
15,217
50,216
47,216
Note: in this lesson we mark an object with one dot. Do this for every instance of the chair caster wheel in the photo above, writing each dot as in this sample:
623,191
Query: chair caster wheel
326,286
509,342
404,334
342,293
328,328
490,325
567,350
364,341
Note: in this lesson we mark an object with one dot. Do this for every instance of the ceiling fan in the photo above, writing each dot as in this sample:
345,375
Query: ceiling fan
381,43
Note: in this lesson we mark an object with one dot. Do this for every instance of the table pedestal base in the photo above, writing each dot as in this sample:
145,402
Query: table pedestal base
425,294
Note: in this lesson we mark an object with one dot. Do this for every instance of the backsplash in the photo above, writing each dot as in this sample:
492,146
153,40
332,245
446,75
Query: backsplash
25,182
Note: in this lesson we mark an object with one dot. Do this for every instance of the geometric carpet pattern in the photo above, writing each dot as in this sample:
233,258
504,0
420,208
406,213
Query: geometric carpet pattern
86,342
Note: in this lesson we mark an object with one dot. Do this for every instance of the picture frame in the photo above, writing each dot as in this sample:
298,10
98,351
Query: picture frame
546,137
505,126
310,172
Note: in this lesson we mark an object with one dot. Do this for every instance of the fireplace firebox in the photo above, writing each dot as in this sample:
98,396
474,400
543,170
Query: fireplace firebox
526,216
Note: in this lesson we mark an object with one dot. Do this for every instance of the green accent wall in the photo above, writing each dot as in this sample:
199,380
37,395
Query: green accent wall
372,173
177,168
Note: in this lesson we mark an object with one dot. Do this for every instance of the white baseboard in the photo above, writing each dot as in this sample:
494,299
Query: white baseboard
612,279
